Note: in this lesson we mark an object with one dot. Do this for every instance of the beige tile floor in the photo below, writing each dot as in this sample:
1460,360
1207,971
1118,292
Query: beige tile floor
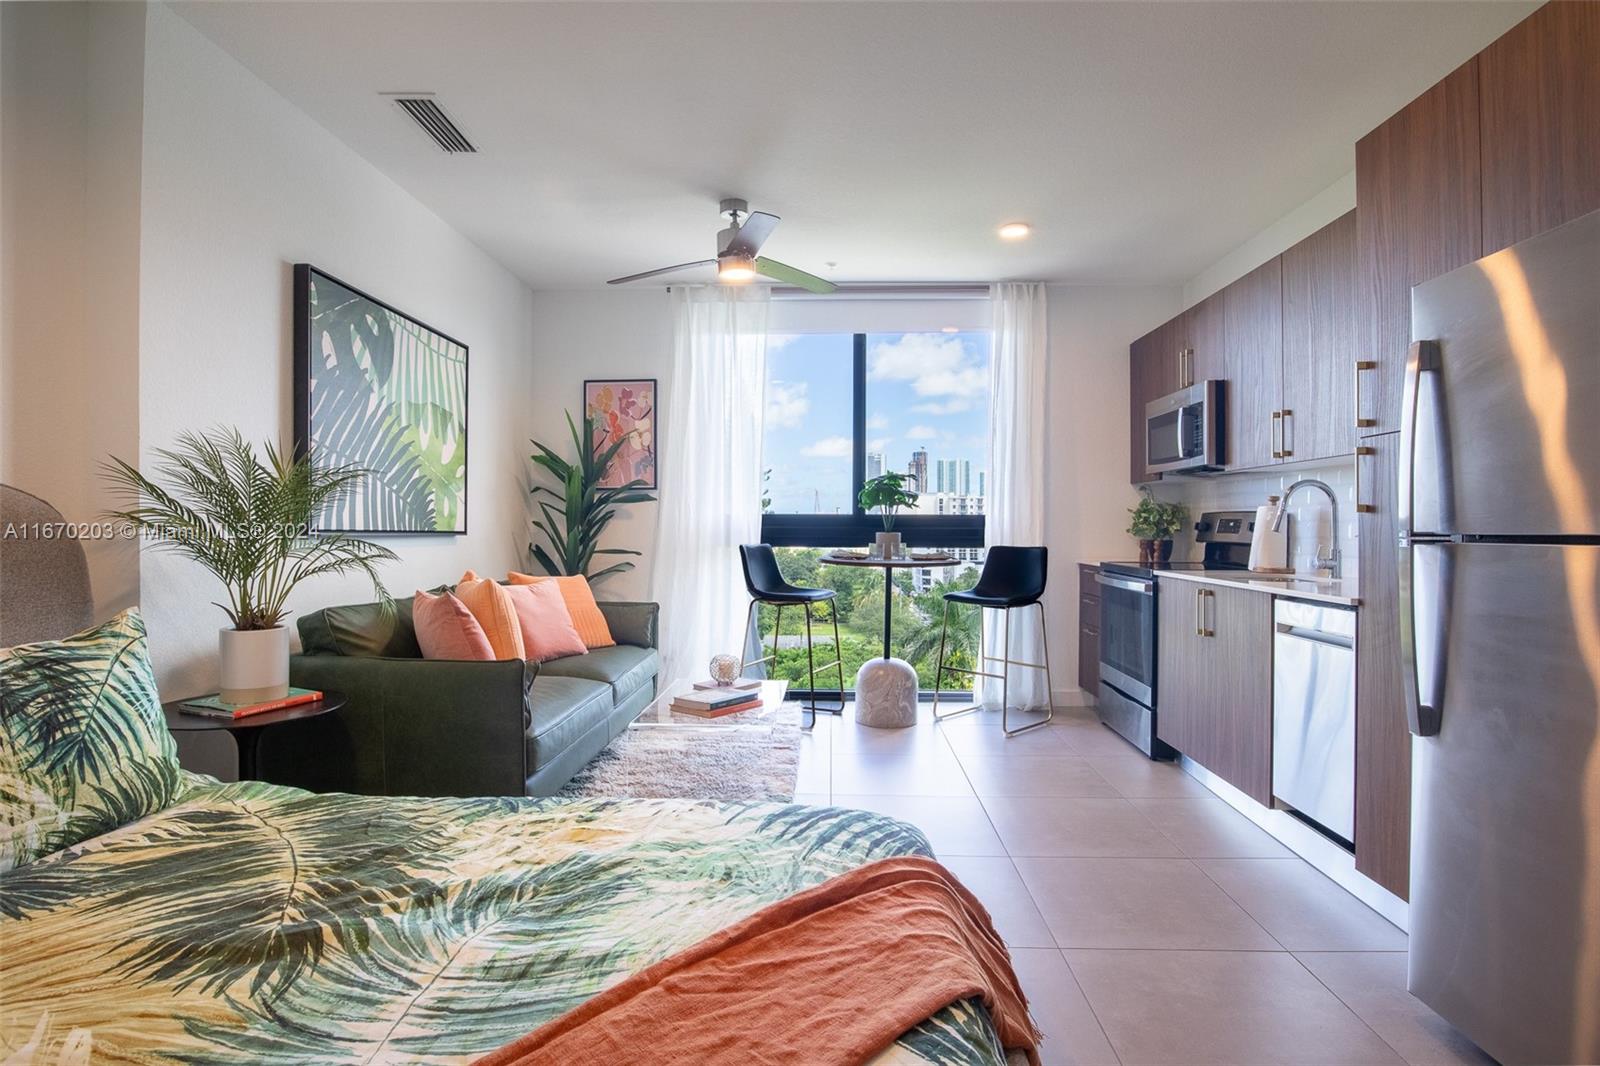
1149,921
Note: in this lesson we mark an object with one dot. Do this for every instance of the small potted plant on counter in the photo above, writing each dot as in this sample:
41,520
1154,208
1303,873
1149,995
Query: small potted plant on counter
888,493
248,522
1154,524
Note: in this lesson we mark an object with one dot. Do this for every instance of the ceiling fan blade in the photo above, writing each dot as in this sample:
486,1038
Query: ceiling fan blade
794,276
663,270
751,234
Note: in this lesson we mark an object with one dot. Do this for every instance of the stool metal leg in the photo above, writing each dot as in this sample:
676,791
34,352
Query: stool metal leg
744,648
811,669
1049,686
938,681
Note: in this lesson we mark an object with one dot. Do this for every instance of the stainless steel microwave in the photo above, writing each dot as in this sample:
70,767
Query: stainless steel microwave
1183,430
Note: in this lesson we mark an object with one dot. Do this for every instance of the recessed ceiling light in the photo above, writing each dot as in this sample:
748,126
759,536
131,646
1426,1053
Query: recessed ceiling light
1015,231
951,329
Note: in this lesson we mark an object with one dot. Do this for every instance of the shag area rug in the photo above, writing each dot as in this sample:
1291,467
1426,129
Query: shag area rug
747,763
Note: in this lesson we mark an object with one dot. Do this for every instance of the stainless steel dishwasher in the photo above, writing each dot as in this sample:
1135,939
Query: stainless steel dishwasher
1314,714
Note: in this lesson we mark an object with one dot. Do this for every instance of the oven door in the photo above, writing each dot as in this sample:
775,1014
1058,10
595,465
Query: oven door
1128,635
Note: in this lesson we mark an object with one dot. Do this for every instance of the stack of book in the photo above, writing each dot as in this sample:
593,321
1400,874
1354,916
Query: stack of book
714,703
743,684
217,707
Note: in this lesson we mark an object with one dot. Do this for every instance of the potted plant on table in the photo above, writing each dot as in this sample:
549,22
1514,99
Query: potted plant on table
247,521
888,493
1155,523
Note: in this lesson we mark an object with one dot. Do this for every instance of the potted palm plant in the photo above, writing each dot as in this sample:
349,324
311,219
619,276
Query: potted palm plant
576,510
888,493
1155,523
213,499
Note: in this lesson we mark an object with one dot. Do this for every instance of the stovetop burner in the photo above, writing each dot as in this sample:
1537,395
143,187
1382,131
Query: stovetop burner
1225,536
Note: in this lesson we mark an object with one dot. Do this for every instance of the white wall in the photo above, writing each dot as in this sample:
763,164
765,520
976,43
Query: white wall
70,114
238,185
1277,238
1087,476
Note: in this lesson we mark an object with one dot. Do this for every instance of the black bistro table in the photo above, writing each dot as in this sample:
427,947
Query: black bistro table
247,731
889,566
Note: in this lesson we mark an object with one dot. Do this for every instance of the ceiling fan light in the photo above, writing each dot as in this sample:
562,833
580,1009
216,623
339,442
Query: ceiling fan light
736,269
1015,231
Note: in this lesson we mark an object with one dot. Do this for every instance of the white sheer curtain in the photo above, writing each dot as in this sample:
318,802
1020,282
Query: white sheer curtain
1014,509
710,471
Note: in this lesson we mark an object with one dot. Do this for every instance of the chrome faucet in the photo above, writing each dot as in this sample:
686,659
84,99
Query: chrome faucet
1335,558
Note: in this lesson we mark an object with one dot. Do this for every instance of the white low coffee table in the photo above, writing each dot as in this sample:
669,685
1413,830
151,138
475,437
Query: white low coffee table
660,715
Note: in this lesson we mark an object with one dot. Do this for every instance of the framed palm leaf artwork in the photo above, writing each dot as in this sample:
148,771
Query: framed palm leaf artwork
625,409
377,389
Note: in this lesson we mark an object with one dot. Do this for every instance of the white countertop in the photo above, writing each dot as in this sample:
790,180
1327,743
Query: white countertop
1322,590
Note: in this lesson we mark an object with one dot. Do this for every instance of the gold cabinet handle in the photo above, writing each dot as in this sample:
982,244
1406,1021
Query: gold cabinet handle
1199,613
1363,364
1277,423
1283,434
1362,451
1206,631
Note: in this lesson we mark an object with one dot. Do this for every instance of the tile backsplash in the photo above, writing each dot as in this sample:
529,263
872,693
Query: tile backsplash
1309,510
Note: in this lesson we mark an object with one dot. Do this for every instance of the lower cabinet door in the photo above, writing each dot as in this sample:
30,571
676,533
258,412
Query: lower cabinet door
1183,690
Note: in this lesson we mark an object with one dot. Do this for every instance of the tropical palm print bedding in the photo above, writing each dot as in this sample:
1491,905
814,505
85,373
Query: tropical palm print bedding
252,923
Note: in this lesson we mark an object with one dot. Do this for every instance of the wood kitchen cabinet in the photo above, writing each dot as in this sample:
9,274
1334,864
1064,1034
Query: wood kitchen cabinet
1253,321
1383,740
1418,214
1152,372
1088,628
1203,341
1321,339
1214,648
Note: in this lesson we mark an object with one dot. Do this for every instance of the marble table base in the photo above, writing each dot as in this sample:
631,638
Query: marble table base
886,694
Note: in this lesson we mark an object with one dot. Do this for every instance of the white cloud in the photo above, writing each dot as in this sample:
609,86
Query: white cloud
921,433
953,406
878,422
935,364
879,444
829,448
777,342
787,403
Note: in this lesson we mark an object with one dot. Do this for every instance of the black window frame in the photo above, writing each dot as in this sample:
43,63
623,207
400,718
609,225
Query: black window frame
856,529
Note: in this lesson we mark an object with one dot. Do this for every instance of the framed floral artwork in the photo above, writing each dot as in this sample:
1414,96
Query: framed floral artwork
625,408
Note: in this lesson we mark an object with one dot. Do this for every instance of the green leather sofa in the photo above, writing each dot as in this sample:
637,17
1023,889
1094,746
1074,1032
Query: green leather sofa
428,727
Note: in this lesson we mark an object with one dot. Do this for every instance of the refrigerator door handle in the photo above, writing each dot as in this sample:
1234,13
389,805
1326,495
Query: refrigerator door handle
1424,631
1424,355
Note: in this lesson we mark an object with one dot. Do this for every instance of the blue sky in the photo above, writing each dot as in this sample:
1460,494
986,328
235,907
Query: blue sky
927,390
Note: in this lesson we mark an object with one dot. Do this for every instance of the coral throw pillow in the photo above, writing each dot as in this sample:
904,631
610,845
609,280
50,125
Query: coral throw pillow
490,604
547,629
586,616
446,629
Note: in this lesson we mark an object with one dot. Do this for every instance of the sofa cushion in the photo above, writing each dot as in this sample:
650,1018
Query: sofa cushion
625,667
586,615
365,629
490,603
446,629
547,630
560,710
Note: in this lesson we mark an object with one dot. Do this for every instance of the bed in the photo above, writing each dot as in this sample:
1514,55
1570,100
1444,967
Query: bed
253,923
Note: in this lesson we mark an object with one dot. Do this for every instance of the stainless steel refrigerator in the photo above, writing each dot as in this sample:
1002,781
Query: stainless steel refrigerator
1500,632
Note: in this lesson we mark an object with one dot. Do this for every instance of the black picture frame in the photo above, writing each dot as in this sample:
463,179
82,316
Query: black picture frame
304,431
655,399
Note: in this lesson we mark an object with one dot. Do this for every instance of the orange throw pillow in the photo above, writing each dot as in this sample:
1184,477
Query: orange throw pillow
586,616
547,629
446,629
490,604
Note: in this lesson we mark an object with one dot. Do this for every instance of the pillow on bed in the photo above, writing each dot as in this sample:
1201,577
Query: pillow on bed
84,747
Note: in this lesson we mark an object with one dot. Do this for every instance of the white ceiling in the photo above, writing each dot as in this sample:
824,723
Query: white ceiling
1142,140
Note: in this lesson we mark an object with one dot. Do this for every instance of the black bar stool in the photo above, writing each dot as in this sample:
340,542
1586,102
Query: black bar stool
1012,577
766,585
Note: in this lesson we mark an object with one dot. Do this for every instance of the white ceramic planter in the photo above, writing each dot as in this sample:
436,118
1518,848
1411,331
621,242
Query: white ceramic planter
255,664
887,544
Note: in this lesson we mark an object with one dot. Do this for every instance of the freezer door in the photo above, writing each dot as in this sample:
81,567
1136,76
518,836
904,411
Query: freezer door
1507,414
1505,862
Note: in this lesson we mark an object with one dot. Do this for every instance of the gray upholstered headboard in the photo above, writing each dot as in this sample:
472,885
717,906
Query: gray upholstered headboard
44,578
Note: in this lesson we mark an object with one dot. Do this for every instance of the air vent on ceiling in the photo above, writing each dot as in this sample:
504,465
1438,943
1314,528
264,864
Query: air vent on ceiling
434,122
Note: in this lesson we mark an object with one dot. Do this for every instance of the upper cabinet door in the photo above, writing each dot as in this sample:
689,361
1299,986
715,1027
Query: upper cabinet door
1320,342
1152,372
1253,314
1205,343
1418,214
1540,93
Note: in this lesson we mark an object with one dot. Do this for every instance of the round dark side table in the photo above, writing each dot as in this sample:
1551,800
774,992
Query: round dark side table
247,731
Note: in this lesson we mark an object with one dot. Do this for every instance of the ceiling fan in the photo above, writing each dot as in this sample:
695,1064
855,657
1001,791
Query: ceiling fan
737,261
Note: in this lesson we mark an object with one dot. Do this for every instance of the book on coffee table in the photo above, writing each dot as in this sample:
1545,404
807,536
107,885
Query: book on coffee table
749,703
743,684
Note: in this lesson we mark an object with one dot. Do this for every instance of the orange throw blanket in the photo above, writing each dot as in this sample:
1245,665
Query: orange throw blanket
828,977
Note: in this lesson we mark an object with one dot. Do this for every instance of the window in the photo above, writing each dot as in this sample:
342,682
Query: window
842,408
845,407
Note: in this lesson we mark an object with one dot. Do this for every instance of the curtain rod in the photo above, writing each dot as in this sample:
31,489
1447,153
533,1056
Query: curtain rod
963,291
